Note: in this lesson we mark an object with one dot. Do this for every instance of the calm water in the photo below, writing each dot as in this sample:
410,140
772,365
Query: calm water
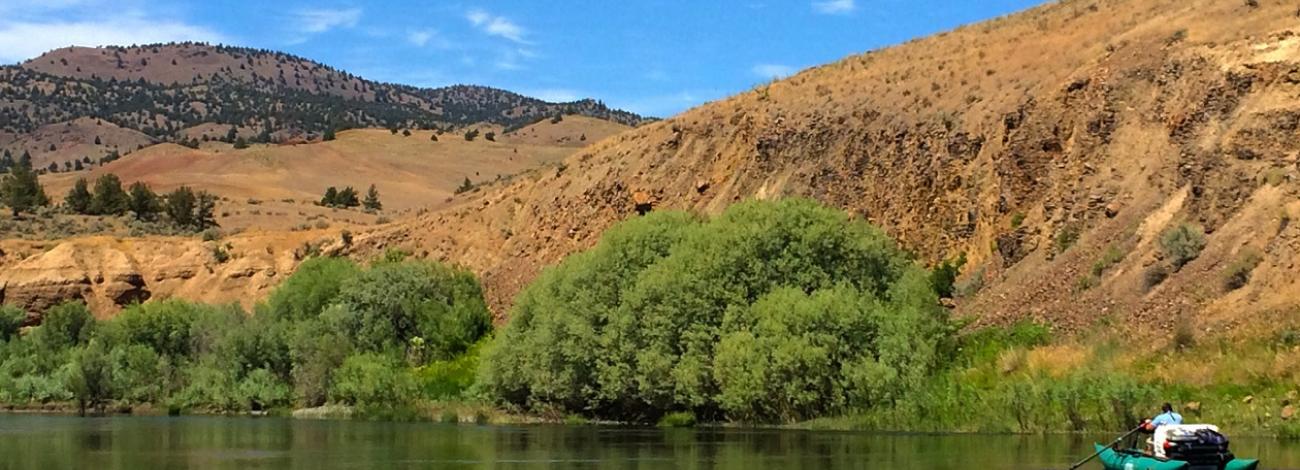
48,442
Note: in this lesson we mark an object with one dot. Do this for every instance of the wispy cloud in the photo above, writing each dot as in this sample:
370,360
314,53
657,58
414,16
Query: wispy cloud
772,71
498,26
20,40
320,20
419,38
834,7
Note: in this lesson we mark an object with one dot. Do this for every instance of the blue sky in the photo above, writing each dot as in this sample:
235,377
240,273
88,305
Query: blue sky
656,57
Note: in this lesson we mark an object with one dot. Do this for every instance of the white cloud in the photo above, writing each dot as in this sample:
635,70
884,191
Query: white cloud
834,7
497,26
772,71
26,39
419,38
322,20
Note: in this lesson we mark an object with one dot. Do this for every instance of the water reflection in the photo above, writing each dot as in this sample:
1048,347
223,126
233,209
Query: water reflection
41,442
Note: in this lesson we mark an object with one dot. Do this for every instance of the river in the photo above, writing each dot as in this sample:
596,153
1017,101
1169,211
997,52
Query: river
57,442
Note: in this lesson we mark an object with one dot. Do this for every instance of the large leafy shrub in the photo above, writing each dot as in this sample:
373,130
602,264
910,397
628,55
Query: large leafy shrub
773,311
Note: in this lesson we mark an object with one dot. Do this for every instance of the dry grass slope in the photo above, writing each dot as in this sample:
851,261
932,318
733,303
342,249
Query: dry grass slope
1078,122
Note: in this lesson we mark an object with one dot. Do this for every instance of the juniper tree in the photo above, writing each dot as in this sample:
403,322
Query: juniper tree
372,199
78,198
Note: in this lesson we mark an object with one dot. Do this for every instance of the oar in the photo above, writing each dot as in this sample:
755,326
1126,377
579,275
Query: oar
1112,444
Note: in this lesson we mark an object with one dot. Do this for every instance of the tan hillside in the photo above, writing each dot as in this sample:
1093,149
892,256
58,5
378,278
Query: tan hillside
275,186
572,131
74,140
1111,120
1033,144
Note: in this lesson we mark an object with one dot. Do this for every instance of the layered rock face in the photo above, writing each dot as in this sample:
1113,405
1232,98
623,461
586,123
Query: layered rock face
109,273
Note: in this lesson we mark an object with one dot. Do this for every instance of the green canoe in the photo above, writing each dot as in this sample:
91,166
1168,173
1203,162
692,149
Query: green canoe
1134,460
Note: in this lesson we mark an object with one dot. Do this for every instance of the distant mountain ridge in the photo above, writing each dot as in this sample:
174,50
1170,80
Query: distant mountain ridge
162,89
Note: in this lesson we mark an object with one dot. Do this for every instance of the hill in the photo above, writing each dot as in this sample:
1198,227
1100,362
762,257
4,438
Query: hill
1055,150
277,187
1051,149
162,90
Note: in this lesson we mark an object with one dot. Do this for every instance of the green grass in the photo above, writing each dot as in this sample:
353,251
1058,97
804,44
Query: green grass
680,419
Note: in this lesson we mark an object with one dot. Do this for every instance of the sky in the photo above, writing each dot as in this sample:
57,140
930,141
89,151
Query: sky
654,57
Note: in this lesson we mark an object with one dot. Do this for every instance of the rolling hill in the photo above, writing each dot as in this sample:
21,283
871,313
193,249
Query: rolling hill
167,91
1051,149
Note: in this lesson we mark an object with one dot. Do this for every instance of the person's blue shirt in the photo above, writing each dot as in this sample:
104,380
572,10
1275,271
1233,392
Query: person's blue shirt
1168,417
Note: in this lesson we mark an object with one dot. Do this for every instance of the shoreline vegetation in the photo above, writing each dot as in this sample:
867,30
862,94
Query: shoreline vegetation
782,314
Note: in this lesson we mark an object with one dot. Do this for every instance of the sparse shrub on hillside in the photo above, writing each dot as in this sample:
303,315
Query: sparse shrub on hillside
972,285
471,134
241,143
669,313
1252,3
945,274
1067,236
1238,273
1181,244
1154,275
406,132
1112,256
1017,219
490,136
220,253
328,135
1177,37
1184,335
465,186
211,234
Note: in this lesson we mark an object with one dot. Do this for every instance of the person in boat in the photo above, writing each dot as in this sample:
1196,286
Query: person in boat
1167,416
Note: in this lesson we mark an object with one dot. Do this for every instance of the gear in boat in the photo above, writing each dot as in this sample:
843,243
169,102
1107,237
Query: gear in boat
1177,447
1172,446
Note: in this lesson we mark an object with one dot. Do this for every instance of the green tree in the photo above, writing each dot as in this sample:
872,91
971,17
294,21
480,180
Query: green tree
20,189
773,311
465,186
372,380
180,206
392,303
372,199
330,198
78,198
64,326
89,378
11,320
328,135
108,197
144,202
347,197
205,211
